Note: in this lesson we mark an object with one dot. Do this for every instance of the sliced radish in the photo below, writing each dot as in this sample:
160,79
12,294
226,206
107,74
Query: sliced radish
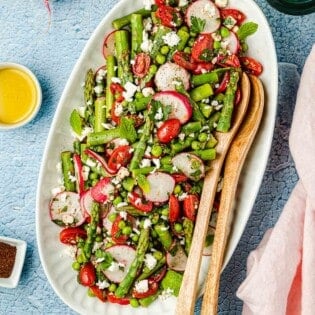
176,259
161,187
170,75
207,251
181,107
101,160
78,170
204,10
190,164
86,202
109,44
123,256
232,43
103,190
65,209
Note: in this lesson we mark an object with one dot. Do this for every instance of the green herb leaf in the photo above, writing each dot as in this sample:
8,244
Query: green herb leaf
246,30
127,129
197,24
108,259
166,111
76,122
206,55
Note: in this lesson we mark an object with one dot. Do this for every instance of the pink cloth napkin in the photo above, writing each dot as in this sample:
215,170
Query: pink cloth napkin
281,271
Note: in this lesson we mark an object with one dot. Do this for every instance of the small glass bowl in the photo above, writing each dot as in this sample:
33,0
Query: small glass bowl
31,75
14,278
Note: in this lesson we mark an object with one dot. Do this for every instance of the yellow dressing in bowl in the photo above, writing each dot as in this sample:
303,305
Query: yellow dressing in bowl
18,95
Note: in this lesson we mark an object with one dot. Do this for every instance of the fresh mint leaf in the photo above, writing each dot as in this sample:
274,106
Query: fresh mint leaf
76,122
197,24
127,129
246,30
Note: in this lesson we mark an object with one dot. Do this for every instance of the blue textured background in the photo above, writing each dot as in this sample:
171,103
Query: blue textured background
51,53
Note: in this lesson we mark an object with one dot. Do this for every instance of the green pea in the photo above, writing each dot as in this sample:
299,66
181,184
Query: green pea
178,227
165,212
155,218
135,238
126,230
177,189
112,287
158,255
224,32
191,42
94,182
165,160
195,145
164,50
160,59
217,45
81,259
187,50
117,200
93,176
134,302
146,269
99,238
121,224
152,69
112,217
76,265
203,137
156,150
192,34
138,95
184,29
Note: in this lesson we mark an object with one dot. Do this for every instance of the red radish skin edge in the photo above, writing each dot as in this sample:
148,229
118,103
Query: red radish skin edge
182,99
101,160
100,191
86,200
108,44
79,173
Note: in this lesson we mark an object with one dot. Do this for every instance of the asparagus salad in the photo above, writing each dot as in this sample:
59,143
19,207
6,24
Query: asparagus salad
144,138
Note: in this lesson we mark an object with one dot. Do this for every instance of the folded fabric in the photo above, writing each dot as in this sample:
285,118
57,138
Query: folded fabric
281,271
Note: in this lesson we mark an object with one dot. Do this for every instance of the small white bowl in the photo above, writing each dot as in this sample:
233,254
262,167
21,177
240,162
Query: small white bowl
20,245
11,65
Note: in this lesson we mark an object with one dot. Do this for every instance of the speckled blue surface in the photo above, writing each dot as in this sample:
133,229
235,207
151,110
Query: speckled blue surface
51,53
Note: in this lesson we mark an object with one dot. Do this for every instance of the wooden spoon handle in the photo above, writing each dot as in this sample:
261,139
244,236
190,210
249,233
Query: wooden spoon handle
186,299
236,156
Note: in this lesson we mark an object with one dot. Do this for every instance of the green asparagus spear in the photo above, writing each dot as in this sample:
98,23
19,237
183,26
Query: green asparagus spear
125,130
110,66
201,92
67,170
145,302
224,122
164,235
206,154
123,55
188,226
136,33
100,112
131,275
125,20
89,88
158,265
158,41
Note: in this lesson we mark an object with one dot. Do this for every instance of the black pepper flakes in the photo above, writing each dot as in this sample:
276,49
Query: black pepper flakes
7,259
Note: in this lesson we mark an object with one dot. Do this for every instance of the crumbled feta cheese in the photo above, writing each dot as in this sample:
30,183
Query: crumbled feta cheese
107,126
81,110
157,162
118,109
191,135
171,39
147,23
147,223
214,103
221,3
145,163
113,267
122,173
218,107
147,43
148,4
89,102
217,37
164,217
96,246
116,80
148,151
71,177
159,114
98,89
206,100
150,261
123,214
103,284
182,196
214,60
147,91
229,22
89,162
130,90
182,3
85,172
204,128
136,231
235,29
181,136
142,286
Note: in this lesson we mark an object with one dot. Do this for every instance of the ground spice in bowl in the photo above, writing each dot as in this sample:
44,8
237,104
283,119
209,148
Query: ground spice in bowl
7,259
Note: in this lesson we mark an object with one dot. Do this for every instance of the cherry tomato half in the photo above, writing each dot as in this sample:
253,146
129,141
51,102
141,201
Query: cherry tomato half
70,235
153,288
179,178
202,50
141,65
116,88
174,208
158,275
138,202
190,206
203,67
87,275
111,297
99,293
168,130
169,16
251,65
229,61
184,60
223,84
235,14
120,157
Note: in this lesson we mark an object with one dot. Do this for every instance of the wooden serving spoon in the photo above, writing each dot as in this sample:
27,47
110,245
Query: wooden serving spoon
232,169
187,295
